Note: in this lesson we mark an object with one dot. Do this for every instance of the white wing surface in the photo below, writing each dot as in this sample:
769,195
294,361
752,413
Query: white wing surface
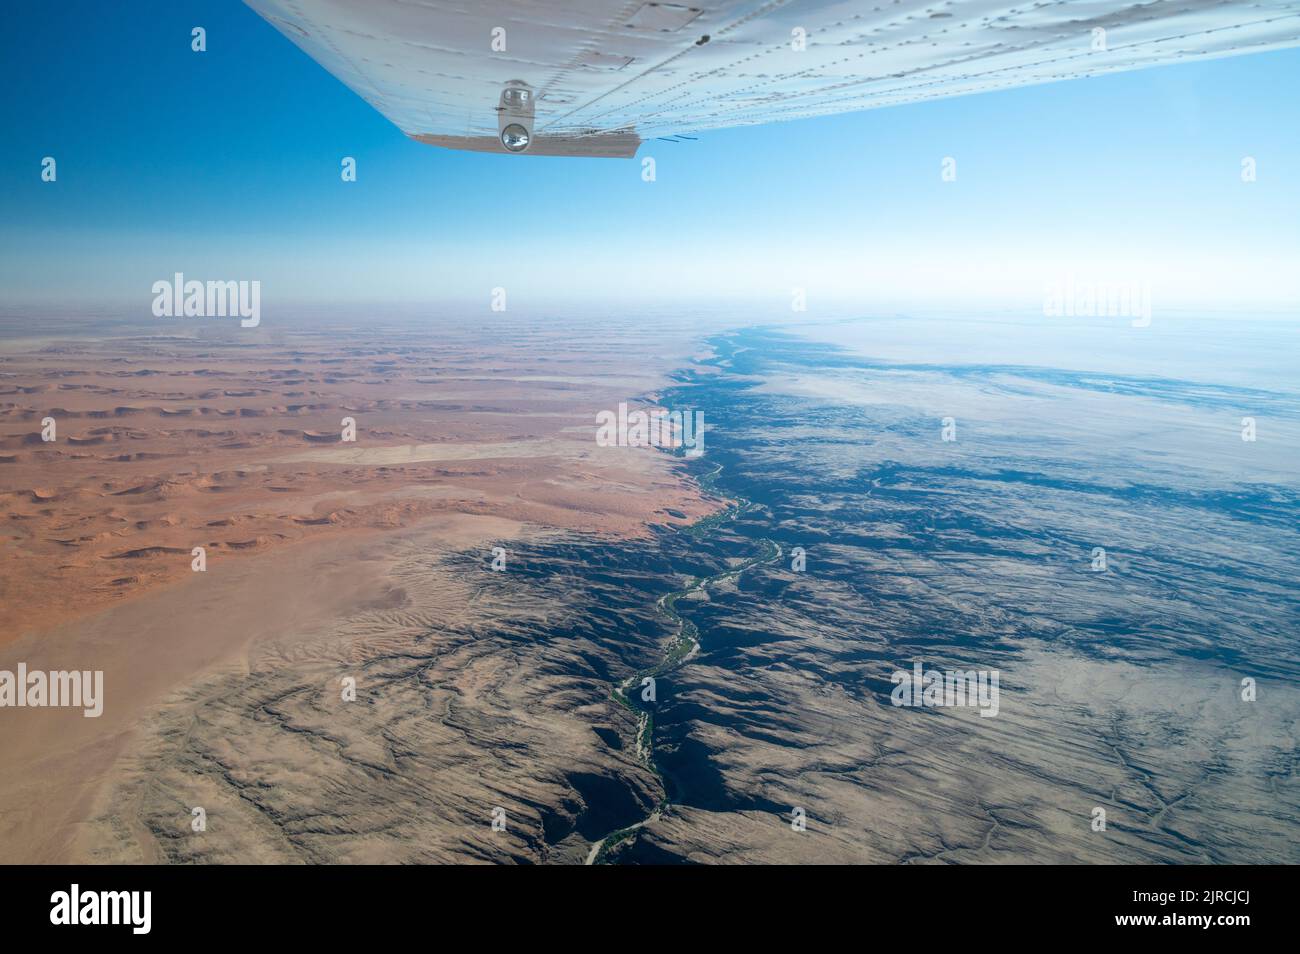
595,77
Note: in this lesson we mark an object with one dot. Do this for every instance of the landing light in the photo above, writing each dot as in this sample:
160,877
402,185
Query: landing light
515,137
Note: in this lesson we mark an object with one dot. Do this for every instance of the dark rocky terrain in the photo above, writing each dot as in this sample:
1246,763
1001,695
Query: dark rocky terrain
1120,690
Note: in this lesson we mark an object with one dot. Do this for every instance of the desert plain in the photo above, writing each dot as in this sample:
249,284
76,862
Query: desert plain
467,437
430,643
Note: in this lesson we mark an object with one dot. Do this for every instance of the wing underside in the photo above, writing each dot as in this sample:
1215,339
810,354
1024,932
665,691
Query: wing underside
605,74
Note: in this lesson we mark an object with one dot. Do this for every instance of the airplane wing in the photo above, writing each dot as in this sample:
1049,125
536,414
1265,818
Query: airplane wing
596,77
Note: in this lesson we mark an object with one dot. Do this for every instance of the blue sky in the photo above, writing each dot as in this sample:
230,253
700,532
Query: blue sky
225,164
